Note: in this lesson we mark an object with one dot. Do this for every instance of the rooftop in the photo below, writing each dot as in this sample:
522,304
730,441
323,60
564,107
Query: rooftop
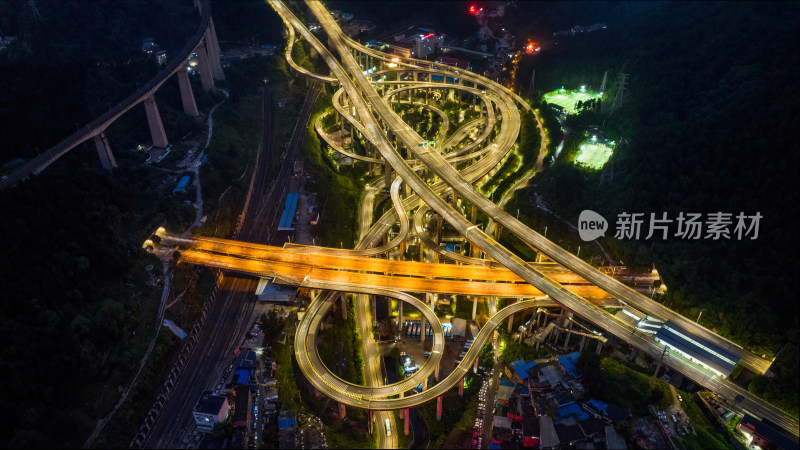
697,347
209,403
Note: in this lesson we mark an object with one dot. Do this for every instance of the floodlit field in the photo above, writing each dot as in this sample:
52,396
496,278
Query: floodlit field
593,156
568,99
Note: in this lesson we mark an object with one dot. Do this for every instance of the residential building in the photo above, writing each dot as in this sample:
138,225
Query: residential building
210,409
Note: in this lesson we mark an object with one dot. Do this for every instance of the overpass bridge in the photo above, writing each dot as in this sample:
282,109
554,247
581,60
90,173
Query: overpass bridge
403,149
203,41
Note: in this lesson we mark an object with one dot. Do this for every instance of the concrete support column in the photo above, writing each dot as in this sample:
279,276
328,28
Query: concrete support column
400,316
633,354
212,46
107,159
582,344
461,388
405,422
154,121
599,347
455,199
344,305
439,408
475,365
187,96
436,373
342,411
370,419
474,307
374,310
425,384
422,331
569,327
204,67
510,323
439,225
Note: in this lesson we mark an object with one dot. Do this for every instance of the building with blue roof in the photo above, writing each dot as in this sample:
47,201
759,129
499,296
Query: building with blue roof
182,183
608,410
288,212
521,368
568,364
696,349
571,410
505,382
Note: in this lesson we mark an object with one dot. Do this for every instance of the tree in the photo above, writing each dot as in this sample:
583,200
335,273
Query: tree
223,430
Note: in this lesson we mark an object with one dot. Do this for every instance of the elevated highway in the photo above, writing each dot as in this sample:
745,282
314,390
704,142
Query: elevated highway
204,41
369,106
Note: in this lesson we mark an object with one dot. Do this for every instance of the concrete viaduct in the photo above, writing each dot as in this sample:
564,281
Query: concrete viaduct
204,42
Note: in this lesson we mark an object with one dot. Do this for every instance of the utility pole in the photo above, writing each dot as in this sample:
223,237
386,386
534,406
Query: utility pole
35,10
607,173
530,88
603,85
658,367
622,83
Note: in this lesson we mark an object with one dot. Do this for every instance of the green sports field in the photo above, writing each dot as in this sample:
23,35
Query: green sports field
568,99
593,155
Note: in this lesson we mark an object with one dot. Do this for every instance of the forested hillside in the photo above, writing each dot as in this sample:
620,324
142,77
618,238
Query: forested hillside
711,117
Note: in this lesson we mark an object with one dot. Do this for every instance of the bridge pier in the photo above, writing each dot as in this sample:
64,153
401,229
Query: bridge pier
204,67
439,408
422,330
599,347
342,411
400,316
388,174
213,51
461,388
154,121
474,306
107,159
633,354
344,305
582,344
187,96
374,310
436,373
370,419
405,422
569,327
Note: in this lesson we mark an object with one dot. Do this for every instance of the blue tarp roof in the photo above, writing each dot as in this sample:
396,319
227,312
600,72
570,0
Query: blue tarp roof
568,363
242,375
697,348
571,409
521,367
288,212
610,410
598,405
286,423
494,445
504,382
182,184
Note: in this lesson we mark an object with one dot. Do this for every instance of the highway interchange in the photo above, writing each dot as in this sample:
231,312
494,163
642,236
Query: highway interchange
370,113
